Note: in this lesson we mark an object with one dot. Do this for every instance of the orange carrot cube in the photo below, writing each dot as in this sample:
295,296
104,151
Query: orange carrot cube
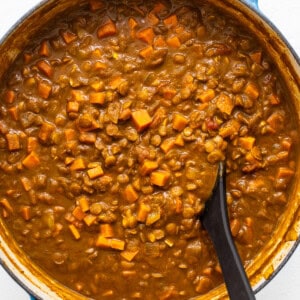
171,21
146,35
68,36
45,68
160,178
179,122
78,164
95,172
206,96
148,166
107,29
252,90
97,97
141,119
13,141
31,161
130,194
174,42
78,213
44,89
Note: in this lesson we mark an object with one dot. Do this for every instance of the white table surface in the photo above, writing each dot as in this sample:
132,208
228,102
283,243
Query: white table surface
285,14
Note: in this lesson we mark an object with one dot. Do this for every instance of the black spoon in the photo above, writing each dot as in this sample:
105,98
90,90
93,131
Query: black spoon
215,221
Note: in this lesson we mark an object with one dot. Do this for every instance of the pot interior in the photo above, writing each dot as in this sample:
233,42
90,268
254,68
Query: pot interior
287,233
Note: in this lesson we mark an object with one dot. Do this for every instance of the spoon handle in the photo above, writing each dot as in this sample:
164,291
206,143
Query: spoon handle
217,225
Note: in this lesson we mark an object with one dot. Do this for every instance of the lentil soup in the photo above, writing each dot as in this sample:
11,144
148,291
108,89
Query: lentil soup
113,120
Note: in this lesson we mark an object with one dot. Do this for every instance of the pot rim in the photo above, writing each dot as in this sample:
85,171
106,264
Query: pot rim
255,9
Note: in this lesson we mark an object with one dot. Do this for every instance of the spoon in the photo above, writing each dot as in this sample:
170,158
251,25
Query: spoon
215,221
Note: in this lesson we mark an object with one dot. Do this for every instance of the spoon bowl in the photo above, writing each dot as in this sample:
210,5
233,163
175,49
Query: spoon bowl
215,221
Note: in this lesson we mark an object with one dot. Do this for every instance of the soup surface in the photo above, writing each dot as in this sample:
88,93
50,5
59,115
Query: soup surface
112,123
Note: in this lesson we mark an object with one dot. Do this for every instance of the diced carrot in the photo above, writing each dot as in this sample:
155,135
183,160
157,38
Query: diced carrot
224,103
179,141
173,42
78,213
26,212
129,255
5,203
97,97
74,231
45,68
141,119
247,142
103,242
159,42
171,21
68,36
146,35
132,23
160,178
179,121
148,166
44,49
32,144
106,230
130,194
96,4
95,172
167,144
107,29
70,134
252,90
44,89
9,96
27,184
78,95
256,56
273,99
229,128
72,106
87,137
89,219
14,113
143,212
31,161
146,52
206,95
78,164
117,244
13,141
46,131
152,18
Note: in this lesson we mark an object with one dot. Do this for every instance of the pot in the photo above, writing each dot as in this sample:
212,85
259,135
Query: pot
287,235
